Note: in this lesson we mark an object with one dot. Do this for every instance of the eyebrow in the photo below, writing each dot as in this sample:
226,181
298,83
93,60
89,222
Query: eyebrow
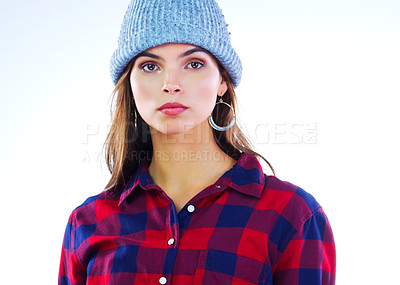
186,53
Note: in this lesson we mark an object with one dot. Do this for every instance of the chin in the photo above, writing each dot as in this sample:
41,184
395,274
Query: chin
178,127
173,129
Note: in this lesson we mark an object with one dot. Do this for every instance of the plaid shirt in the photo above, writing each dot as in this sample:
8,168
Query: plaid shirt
246,228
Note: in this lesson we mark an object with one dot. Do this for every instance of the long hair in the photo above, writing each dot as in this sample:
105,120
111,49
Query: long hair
129,142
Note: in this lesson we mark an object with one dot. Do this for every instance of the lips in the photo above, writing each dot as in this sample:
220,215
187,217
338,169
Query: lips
173,108
172,105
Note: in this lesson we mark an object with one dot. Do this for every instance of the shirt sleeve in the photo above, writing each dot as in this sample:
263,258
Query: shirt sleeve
310,256
71,270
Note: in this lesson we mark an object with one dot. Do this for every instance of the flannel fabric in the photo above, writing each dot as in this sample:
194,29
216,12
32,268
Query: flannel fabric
246,228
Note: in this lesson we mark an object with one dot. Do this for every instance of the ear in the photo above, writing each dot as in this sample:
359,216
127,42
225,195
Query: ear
223,87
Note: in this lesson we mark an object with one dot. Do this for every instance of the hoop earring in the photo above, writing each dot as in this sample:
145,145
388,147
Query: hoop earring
215,126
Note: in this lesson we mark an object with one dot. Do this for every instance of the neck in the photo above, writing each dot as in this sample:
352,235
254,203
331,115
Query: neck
185,163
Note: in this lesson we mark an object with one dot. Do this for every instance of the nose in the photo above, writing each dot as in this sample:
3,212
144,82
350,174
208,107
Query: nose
171,84
172,89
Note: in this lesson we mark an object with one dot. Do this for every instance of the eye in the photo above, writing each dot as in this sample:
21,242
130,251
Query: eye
195,65
148,67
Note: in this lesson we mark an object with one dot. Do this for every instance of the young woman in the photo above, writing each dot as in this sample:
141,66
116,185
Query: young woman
188,201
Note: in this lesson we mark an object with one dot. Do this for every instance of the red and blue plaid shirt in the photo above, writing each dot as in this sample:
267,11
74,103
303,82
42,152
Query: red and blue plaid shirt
246,228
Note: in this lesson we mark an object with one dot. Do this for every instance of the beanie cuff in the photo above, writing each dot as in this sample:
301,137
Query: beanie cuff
175,32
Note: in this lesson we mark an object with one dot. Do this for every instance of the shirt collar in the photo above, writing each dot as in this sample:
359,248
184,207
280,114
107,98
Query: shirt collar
246,176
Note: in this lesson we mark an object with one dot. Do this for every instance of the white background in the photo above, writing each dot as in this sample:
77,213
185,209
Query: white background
317,98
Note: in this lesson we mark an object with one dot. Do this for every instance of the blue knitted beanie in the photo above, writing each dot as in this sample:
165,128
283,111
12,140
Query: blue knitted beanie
150,23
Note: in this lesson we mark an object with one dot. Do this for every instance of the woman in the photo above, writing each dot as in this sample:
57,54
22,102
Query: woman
188,201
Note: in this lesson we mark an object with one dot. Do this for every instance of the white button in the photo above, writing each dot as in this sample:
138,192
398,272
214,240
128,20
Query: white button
171,241
190,208
217,186
163,280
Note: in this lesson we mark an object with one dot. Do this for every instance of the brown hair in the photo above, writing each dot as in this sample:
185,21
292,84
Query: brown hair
128,144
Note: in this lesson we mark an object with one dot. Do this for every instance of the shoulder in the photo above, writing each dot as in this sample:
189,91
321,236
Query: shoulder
93,208
290,202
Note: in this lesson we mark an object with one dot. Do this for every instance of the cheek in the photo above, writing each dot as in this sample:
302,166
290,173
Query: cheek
208,90
143,93
207,82
206,100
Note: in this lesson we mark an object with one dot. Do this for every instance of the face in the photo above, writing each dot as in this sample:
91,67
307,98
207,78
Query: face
175,87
